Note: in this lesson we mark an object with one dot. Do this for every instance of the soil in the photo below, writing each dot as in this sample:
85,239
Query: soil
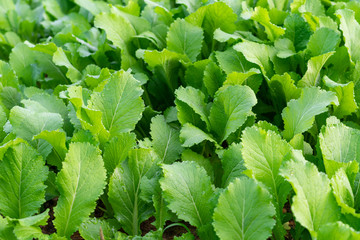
145,227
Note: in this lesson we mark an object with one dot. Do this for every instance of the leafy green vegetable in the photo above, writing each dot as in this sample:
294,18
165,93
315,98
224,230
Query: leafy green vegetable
81,181
311,210
244,211
185,38
228,111
124,189
22,187
190,194
300,114
134,118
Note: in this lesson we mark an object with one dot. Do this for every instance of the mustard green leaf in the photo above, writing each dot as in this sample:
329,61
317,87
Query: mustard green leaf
95,7
272,31
314,66
300,113
337,230
232,105
124,189
311,210
213,78
22,176
185,38
29,233
297,30
189,193
119,102
346,96
233,61
264,152
260,54
60,59
117,149
343,192
81,181
323,40
165,140
191,135
351,29
232,163
27,123
339,145
244,211
194,99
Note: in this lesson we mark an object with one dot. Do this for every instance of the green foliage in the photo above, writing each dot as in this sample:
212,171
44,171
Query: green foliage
222,115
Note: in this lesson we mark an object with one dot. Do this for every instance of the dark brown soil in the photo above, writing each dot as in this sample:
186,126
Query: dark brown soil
170,233
145,227
49,228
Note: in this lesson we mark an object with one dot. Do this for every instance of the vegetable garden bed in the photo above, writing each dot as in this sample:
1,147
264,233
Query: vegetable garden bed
179,119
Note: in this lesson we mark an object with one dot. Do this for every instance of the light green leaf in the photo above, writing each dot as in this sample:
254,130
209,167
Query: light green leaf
191,5
90,229
10,97
42,102
213,78
346,96
285,48
351,30
261,15
57,139
191,156
259,54
343,192
194,99
283,89
188,190
264,152
22,177
90,119
337,230
185,38
240,78
6,230
124,189
117,28
314,66
119,102
120,31
8,77
80,182
27,124
165,140
151,193
213,16
232,105
29,233
60,59
232,163
311,210
315,7
191,135
324,40
53,7
339,145
94,7
233,61
117,149
244,211
299,114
